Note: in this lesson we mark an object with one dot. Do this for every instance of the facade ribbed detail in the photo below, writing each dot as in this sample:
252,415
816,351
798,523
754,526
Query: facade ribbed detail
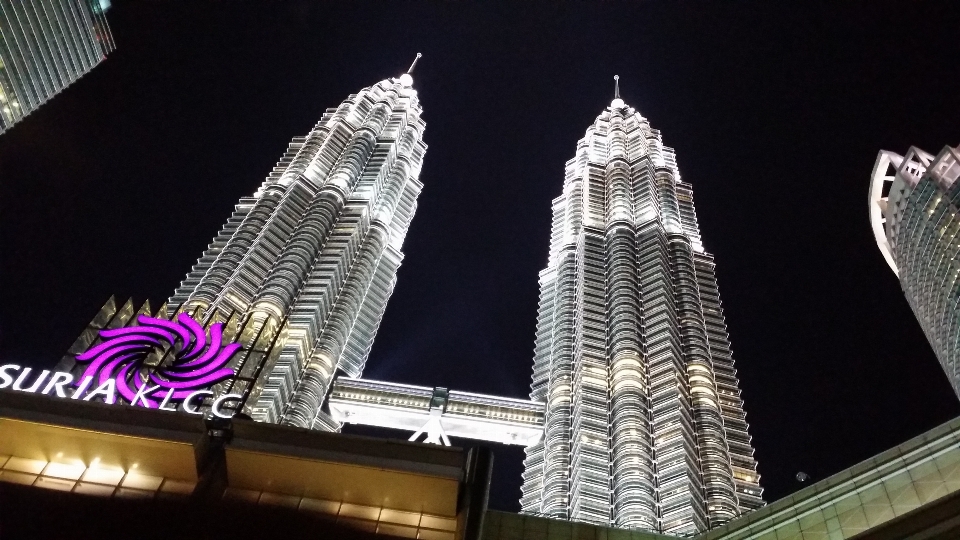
45,45
915,215
644,425
311,258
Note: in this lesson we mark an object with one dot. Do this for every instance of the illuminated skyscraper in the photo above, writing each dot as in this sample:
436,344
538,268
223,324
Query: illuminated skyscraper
915,216
44,47
318,246
644,423
293,288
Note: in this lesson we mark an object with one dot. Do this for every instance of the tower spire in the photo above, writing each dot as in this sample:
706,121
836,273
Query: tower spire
407,79
617,102
414,64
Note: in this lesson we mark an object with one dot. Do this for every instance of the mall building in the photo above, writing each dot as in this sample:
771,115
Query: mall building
92,470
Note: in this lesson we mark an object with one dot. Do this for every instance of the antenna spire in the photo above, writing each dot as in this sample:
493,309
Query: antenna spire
617,103
414,64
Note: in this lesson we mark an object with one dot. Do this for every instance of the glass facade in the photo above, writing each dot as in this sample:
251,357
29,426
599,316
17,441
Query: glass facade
915,214
644,427
45,45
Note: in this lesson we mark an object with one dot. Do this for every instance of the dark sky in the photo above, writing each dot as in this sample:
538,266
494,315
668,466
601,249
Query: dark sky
777,111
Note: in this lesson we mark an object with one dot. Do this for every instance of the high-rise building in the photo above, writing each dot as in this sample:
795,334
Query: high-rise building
292,289
45,45
915,216
644,423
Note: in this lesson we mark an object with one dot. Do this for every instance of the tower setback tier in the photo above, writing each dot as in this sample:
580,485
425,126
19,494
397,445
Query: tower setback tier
644,424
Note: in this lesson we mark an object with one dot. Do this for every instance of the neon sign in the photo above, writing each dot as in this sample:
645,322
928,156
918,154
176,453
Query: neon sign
117,365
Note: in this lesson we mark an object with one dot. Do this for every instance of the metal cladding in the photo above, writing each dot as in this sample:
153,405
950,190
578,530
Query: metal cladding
44,47
915,216
644,424
312,256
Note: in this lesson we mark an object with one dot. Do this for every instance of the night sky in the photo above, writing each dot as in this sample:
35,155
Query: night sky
777,111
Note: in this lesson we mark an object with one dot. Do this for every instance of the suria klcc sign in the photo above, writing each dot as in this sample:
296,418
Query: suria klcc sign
116,366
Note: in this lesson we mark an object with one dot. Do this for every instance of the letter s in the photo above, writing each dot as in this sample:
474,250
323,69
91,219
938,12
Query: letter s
5,378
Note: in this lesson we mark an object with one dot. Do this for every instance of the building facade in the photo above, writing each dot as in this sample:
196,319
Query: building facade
915,215
909,491
105,471
292,289
44,47
644,423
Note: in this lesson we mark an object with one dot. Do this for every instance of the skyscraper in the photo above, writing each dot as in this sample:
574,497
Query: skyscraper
915,216
45,45
292,289
644,423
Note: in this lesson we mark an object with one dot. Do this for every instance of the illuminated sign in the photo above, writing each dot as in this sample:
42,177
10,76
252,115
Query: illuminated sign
118,365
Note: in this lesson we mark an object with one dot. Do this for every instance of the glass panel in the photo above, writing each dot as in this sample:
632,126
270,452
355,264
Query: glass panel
435,535
358,524
437,522
100,490
58,484
853,521
316,505
128,493
32,466
903,497
401,518
178,487
400,531
109,477
17,477
276,499
359,511
61,470
142,481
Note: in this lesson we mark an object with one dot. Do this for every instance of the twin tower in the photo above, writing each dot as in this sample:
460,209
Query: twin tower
643,426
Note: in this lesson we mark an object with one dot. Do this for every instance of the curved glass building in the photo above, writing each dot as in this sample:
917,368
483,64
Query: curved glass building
915,215
644,423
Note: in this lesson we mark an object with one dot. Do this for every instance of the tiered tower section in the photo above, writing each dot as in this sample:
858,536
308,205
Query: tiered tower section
309,261
915,215
45,46
644,424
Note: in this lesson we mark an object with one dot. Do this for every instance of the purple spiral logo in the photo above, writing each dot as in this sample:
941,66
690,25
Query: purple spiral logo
198,364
